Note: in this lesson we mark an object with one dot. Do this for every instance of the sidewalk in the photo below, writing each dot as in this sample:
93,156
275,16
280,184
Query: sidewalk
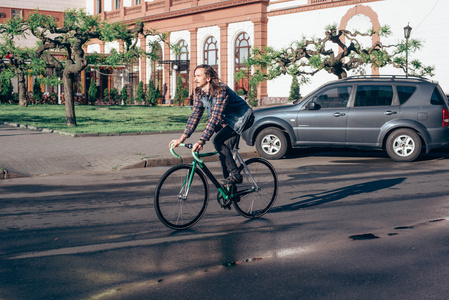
25,152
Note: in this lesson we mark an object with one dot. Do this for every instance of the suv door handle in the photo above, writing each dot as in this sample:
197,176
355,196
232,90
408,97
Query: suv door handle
389,113
339,114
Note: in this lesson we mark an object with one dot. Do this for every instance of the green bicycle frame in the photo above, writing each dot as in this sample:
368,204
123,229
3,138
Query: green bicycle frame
199,162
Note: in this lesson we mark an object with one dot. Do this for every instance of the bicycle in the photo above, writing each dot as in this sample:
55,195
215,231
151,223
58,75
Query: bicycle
182,194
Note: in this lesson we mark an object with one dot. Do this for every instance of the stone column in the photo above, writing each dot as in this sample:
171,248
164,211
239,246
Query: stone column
167,70
143,61
193,56
224,53
260,41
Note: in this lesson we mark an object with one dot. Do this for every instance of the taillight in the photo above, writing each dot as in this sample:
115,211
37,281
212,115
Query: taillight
445,117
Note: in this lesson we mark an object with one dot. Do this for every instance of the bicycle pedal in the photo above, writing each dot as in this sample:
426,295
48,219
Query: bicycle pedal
227,206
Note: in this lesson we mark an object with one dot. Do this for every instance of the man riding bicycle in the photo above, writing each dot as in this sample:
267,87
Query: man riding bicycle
229,115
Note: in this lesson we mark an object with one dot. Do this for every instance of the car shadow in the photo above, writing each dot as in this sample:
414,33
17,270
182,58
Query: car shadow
310,200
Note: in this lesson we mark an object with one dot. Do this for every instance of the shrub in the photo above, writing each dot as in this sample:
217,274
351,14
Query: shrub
151,94
179,97
114,96
106,95
6,90
140,96
294,90
92,92
37,92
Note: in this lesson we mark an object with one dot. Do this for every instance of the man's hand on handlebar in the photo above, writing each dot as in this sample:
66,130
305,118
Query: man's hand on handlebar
197,147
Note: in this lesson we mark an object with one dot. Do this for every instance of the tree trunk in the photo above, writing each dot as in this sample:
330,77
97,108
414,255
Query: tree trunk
22,90
67,80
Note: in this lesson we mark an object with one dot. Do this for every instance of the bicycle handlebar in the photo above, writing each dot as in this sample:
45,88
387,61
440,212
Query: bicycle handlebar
195,154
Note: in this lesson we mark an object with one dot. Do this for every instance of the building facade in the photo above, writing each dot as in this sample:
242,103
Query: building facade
221,33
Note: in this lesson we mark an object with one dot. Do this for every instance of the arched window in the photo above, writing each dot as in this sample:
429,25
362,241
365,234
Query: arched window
183,64
211,52
156,68
184,51
242,52
242,48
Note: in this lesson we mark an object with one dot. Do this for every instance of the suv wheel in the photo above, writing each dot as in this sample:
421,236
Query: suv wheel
403,145
271,143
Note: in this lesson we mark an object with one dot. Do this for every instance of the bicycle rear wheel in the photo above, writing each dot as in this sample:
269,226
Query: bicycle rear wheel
255,200
178,205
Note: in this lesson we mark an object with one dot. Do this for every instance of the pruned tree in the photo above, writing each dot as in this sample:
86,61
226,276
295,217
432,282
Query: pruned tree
77,29
307,57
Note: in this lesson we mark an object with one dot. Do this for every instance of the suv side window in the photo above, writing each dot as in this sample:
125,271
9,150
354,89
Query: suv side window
334,98
436,98
373,95
405,92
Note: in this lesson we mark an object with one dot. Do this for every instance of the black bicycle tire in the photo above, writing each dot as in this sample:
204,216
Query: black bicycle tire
162,215
239,205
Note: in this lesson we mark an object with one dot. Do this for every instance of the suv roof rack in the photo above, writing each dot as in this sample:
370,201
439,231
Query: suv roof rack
392,77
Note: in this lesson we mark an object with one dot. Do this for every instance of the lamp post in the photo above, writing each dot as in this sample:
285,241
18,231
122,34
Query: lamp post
407,32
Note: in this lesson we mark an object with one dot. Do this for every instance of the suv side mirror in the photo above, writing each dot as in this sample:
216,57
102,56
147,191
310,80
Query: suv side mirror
313,106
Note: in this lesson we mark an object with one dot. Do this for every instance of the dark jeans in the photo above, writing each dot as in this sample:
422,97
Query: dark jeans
224,142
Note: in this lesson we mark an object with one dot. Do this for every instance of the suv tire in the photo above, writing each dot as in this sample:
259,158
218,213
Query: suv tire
403,145
271,143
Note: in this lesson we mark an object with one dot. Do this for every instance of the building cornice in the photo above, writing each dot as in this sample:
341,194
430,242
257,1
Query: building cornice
310,7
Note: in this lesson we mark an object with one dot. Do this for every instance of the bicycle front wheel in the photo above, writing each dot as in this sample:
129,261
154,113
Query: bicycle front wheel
258,192
181,197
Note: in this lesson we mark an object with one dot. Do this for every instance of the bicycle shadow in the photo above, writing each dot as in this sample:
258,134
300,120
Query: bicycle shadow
337,194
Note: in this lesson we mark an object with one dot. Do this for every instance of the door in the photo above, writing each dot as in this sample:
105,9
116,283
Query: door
371,111
323,121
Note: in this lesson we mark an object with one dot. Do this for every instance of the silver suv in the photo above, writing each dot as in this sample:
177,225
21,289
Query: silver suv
399,114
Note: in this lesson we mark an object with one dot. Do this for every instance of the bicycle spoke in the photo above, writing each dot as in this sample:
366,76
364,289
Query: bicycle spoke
181,199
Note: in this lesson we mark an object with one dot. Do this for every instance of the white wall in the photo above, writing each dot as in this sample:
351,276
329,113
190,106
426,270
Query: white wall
59,5
430,24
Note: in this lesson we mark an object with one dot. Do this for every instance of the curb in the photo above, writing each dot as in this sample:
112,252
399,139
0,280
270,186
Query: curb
4,174
167,162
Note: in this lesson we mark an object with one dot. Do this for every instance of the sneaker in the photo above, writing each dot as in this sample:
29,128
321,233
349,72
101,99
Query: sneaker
233,179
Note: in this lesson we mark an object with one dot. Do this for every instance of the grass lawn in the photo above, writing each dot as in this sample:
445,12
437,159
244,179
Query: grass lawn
101,119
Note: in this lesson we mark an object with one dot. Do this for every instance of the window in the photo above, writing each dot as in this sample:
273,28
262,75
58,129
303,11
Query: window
334,98
374,95
156,70
437,98
99,6
405,92
137,2
211,52
117,4
241,54
16,13
184,51
242,47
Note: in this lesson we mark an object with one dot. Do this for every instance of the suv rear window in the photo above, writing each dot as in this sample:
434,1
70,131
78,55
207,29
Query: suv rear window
374,95
437,98
405,92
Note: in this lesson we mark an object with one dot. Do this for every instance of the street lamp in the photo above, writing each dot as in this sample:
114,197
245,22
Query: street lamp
407,32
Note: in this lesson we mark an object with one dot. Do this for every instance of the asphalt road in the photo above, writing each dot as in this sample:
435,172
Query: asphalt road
346,225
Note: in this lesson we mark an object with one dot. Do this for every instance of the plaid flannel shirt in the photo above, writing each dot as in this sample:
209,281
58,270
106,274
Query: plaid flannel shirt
215,119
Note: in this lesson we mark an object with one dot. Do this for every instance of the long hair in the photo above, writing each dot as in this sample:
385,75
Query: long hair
214,80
